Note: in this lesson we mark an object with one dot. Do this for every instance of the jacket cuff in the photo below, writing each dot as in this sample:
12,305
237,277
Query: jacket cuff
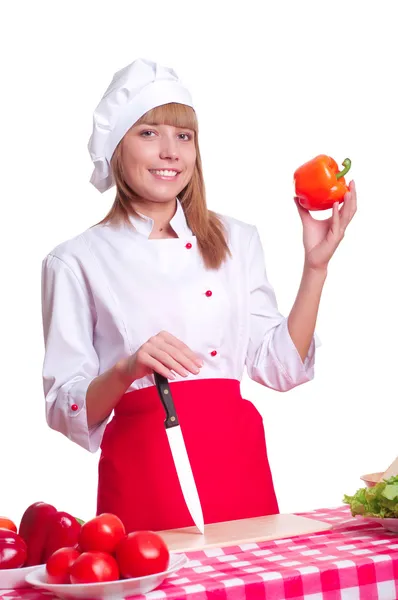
289,359
75,416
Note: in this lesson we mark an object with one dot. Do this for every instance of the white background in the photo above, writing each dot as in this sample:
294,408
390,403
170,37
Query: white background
275,83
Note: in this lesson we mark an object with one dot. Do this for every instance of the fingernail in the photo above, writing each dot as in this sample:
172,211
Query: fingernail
199,362
171,375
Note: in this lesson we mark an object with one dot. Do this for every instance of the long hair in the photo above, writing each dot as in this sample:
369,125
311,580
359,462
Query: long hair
204,224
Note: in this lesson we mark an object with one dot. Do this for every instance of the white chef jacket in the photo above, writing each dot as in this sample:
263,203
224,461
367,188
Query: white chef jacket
108,290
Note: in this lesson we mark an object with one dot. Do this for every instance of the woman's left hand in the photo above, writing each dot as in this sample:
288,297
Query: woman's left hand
321,238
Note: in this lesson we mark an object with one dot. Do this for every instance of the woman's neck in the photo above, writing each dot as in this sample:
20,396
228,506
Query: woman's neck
162,233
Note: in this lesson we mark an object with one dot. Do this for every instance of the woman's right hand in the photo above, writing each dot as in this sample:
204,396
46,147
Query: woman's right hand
162,353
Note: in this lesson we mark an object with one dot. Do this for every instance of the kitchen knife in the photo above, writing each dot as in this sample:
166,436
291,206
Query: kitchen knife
179,452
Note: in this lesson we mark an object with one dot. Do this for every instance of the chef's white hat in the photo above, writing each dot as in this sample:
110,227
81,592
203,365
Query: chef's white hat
133,91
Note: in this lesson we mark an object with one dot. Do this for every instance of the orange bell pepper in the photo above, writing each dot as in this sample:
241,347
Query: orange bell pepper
319,183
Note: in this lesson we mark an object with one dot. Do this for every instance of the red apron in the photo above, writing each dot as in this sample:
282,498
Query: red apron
224,436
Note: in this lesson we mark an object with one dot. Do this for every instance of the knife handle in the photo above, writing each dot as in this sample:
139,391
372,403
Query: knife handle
164,391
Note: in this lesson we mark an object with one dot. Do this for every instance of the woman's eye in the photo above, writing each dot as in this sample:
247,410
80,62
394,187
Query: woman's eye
183,136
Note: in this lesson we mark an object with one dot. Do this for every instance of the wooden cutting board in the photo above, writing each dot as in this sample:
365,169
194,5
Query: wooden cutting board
244,531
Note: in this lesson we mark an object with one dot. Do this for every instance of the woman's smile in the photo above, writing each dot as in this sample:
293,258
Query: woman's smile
165,174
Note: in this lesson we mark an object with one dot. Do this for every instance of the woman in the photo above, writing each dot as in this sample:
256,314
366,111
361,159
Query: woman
164,285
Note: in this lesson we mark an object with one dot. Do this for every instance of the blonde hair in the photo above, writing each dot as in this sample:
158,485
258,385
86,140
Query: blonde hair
204,224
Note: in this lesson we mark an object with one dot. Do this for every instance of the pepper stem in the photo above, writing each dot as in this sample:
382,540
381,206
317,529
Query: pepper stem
347,167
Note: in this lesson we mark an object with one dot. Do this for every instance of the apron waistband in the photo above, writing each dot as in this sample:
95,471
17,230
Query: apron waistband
146,400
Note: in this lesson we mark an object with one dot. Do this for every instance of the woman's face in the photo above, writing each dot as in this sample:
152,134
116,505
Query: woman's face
158,160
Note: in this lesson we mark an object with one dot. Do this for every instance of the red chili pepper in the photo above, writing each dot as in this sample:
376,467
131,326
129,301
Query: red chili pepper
13,550
319,183
45,530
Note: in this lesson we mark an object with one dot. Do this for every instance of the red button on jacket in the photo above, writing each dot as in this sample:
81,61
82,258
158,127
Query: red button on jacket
74,407
188,246
209,293
213,352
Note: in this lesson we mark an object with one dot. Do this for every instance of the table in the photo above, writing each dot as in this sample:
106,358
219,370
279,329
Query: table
356,560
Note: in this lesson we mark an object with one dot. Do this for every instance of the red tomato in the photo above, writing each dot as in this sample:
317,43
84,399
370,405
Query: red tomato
8,524
94,567
101,534
142,553
59,564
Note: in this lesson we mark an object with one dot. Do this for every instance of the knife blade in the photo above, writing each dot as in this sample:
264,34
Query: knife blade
179,452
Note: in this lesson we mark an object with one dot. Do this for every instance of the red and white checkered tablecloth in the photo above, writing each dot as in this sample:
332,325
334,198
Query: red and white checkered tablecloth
356,561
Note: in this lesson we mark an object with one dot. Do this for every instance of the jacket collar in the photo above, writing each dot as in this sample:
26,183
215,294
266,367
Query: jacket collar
178,223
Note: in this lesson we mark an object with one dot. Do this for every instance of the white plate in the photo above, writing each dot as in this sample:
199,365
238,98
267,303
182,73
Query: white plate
115,590
388,524
15,578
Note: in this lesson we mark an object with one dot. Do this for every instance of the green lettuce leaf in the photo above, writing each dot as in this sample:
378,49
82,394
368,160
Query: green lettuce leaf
378,501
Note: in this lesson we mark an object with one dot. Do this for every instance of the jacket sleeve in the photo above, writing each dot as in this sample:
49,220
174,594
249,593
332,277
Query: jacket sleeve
70,361
272,358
